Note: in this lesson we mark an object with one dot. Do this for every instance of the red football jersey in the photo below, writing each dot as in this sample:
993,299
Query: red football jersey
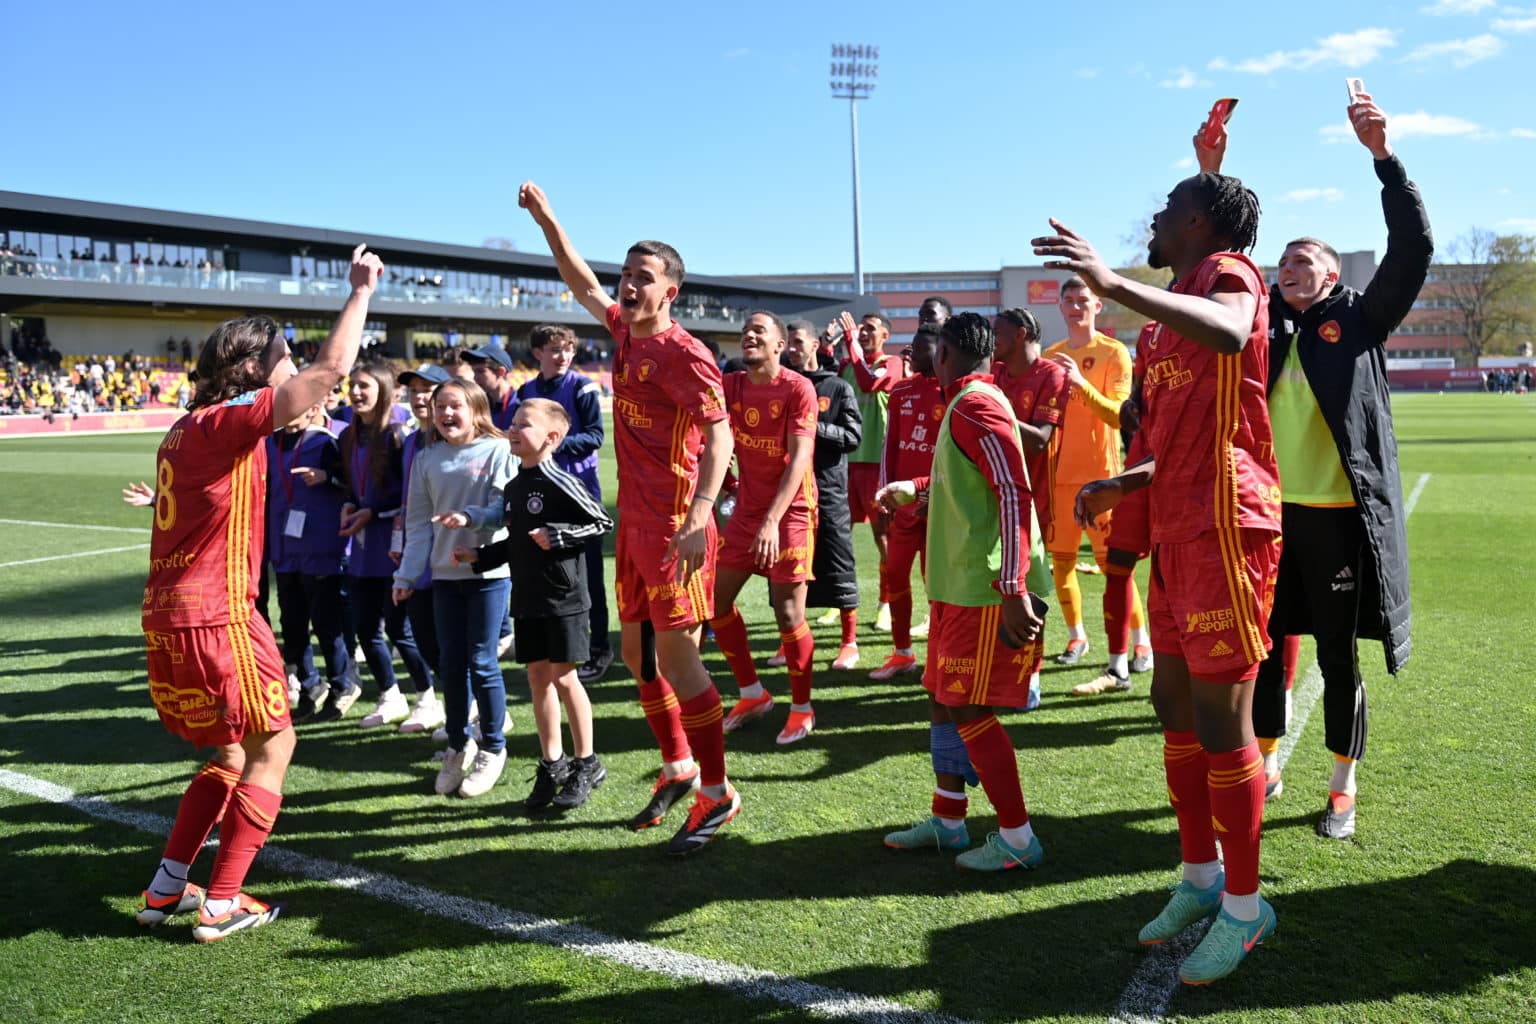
664,388
915,412
1039,396
763,419
1206,420
210,515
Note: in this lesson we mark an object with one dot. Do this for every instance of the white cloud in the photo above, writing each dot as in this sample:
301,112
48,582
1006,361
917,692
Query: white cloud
1345,49
1183,165
1088,72
1520,223
1460,52
1406,126
1525,23
1183,79
1443,7
1522,133
740,51
1308,195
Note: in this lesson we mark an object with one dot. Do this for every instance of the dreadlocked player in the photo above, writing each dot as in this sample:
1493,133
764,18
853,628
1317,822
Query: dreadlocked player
1215,543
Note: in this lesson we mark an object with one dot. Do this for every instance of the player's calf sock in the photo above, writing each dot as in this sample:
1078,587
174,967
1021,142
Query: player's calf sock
1237,809
1244,908
1202,876
950,807
947,750
1068,594
1186,768
170,878
662,714
1343,781
991,753
1118,584
1290,654
202,805
701,718
901,618
799,652
249,820
731,636
1137,617
1120,664
1140,637
850,618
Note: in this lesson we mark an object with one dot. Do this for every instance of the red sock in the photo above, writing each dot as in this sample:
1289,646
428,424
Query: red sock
1290,654
850,626
948,806
901,619
799,649
1186,766
1237,808
701,721
661,713
202,805
249,820
885,582
991,753
731,635
1117,607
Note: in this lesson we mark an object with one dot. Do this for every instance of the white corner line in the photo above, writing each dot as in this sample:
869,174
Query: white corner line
746,982
1147,995
74,554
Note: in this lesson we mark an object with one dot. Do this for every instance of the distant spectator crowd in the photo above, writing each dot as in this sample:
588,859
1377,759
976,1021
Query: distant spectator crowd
35,380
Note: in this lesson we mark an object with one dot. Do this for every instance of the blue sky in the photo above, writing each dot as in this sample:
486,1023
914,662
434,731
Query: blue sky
710,126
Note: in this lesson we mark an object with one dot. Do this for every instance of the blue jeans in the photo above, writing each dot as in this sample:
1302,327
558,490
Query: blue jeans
469,614
418,608
375,614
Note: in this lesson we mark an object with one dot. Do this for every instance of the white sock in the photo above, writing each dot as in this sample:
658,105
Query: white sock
1271,765
170,879
904,652
804,709
1034,680
883,606
716,792
950,822
677,769
1018,838
1141,638
1244,908
1202,876
753,692
1343,780
1119,664
1077,632
1287,709
218,908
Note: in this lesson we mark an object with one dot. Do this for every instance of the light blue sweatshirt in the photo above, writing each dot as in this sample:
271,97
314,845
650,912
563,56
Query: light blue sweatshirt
470,478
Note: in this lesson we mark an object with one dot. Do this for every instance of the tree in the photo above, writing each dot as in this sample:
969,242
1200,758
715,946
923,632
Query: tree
503,244
1486,290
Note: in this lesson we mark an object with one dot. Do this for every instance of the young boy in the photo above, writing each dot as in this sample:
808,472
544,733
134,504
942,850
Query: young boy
550,519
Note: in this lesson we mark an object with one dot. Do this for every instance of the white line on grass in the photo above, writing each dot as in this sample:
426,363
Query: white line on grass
73,526
747,982
74,554
1146,996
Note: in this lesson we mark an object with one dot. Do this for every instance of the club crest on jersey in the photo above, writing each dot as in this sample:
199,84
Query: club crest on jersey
1330,332
647,367
775,409
1026,403
823,403
752,416
937,413
535,504
1088,362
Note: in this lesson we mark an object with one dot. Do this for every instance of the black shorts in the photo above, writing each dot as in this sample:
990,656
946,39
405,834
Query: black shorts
557,638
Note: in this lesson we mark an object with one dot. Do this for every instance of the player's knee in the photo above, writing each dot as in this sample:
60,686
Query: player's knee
1119,557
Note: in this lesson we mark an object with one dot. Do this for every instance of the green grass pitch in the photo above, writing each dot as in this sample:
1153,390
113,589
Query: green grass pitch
1426,915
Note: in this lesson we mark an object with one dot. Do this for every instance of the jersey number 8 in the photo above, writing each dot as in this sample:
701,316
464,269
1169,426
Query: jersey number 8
165,501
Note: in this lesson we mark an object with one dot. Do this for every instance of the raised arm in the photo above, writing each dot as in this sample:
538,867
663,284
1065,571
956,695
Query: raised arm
338,352
578,277
1410,244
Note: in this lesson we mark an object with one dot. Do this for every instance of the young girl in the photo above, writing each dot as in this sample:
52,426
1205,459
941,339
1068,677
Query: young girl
372,469
459,481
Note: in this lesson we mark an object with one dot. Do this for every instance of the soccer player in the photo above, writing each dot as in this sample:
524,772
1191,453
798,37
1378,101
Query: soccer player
873,374
1344,567
834,581
915,410
773,423
1039,391
672,443
1215,501
978,502
1099,370
215,674
555,349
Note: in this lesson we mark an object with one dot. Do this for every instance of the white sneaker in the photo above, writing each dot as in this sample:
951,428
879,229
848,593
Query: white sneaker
921,629
293,683
483,773
392,707
425,716
440,734
347,698
451,775
503,645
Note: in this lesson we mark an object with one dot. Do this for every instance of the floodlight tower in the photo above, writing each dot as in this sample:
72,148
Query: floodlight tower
854,69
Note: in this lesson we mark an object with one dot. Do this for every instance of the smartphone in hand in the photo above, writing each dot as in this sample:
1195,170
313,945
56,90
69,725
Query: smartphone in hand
1220,114
1356,86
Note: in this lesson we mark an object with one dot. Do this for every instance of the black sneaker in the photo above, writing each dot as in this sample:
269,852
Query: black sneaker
595,668
1337,824
664,794
548,777
339,703
705,818
586,775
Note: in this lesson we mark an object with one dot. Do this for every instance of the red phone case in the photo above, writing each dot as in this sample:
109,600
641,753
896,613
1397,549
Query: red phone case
1220,114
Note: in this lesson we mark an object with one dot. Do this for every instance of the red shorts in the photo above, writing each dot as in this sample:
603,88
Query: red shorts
645,580
216,685
863,484
906,541
1131,529
797,542
968,664
1209,602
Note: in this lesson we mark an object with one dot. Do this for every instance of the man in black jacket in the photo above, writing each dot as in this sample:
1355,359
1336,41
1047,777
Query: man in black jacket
1344,566
838,431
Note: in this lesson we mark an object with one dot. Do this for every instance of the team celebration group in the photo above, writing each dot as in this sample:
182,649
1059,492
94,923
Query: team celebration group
1260,478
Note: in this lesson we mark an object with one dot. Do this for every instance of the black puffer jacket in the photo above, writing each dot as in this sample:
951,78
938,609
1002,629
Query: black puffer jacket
838,430
1342,343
